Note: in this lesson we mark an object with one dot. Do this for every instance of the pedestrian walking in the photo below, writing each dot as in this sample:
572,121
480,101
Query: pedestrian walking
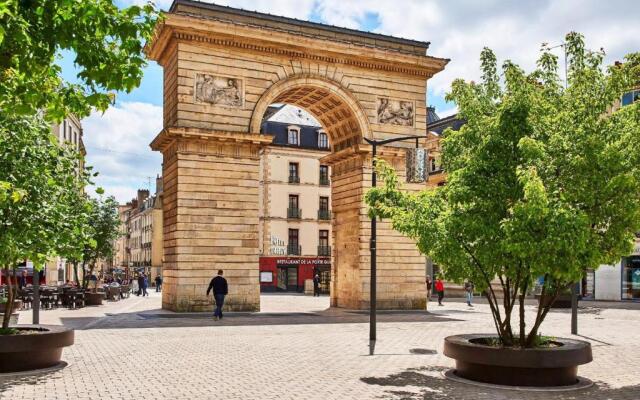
429,286
220,289
145,285
316,285
440,290
140,284
158,283
468,288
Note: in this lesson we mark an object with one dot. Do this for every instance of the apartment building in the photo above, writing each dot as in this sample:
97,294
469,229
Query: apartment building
140,247
295,214
69,132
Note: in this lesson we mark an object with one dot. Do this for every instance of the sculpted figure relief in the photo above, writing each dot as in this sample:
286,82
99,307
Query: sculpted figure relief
218,90
395,112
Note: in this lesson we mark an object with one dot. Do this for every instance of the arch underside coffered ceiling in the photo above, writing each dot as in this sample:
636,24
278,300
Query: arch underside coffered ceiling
335,108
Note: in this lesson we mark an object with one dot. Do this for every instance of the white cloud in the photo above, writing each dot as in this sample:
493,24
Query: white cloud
117,145
514,30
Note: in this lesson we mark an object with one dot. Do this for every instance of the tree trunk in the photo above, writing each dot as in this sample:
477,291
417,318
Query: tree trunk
10,298
522,320
75,272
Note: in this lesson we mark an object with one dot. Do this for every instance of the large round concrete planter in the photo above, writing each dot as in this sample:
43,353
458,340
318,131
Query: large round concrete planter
549,366
93,299
42,349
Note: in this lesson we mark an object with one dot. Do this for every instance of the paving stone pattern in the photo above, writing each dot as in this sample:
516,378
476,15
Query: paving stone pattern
132,349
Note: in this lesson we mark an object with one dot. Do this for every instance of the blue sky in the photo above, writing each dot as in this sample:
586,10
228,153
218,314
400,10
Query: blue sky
117,141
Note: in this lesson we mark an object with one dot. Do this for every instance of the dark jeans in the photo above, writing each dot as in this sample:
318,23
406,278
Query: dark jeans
316,291
158,288
219,303
144,291
440,297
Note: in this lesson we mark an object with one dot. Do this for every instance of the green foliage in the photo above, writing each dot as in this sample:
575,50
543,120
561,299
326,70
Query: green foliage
107,42
39,185
543,181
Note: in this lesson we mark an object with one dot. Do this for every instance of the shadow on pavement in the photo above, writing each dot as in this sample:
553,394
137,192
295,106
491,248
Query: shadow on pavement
171,320
433,386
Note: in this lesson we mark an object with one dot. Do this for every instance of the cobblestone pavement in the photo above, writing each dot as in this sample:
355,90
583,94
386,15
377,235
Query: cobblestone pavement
132,349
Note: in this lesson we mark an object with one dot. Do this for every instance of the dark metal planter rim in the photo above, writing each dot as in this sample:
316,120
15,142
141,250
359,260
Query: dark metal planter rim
550,366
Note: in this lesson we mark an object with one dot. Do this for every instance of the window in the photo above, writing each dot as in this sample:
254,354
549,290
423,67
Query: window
323,140
324,250
293,236
324,175
630,97
324,203
323,238
70,133
293,137
293,201
293,247
293,211
293,173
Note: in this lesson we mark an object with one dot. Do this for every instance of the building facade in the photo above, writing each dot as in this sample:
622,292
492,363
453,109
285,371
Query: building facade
139,248
69,133
295,215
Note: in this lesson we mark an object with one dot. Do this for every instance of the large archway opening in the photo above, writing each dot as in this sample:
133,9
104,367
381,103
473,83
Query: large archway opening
309,119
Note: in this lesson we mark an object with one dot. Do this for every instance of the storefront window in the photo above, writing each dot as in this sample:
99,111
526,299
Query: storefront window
631,278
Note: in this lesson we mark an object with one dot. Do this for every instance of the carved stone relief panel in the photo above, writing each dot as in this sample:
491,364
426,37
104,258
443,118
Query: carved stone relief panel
395,112
219,90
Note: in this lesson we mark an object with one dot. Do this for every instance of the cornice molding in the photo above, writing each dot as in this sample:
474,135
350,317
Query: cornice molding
216,32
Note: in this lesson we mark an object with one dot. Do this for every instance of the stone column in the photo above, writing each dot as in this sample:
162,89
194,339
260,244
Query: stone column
211,202
401,268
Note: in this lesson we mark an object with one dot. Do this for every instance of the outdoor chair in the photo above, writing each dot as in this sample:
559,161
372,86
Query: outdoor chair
79,300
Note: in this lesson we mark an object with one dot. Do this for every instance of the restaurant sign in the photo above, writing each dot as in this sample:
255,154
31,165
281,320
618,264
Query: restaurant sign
303,261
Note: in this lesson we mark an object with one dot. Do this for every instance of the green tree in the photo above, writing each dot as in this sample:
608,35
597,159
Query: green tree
105,229
38,180
543,181
107,42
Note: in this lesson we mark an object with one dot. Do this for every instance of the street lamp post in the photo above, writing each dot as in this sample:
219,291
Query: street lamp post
372,242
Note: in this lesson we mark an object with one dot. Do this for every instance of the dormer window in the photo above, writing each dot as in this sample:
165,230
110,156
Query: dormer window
323,140
293,137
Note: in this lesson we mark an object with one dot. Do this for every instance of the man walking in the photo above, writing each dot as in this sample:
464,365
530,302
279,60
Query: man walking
429,286
220,289
140,284
440,290
468,288
158,283
316,285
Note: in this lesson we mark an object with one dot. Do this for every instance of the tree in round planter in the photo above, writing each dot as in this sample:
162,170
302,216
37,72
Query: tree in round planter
543,181
39,182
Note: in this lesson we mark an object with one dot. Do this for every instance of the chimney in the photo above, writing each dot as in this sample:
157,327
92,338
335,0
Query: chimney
142,196
159,184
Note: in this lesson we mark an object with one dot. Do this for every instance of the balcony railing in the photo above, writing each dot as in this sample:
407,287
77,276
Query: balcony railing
324,251
324,181
324,215
294,213
294,250
294,179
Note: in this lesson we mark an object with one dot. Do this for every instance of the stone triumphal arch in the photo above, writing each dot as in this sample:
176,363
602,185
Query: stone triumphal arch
222,68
